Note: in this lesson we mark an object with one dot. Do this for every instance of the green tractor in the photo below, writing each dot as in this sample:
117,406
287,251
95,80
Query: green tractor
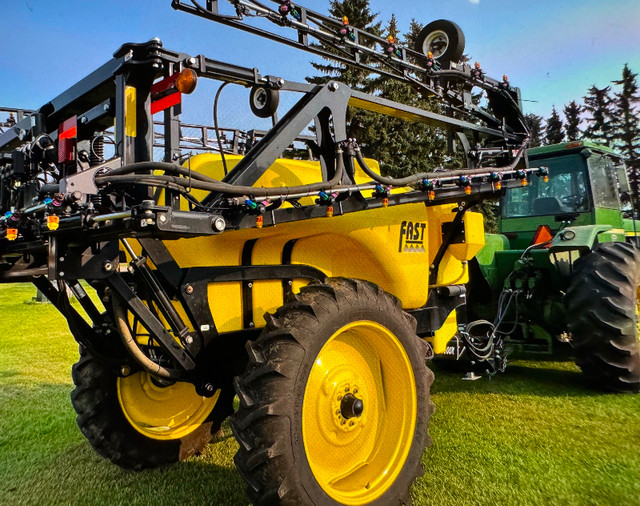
563,270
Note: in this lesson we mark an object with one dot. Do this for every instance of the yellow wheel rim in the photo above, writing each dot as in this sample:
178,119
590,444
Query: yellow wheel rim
159,412
355,459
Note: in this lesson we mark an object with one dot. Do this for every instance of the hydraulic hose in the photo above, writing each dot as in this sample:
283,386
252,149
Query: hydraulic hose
129,341
201,182
415,178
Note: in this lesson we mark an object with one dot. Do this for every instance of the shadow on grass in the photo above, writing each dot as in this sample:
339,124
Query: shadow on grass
538,378
44,459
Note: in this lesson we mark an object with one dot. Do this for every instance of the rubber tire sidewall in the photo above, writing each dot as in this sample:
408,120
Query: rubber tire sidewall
403,334
102,421
456,45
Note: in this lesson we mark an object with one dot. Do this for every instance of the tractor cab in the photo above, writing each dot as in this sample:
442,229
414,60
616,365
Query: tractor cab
584,188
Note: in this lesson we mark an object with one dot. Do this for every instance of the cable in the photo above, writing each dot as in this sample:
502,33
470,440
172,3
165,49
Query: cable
215,126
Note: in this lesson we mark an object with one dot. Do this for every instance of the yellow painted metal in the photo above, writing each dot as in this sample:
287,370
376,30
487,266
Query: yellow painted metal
453,269
164,413
392,247
130,113
444,334
356,460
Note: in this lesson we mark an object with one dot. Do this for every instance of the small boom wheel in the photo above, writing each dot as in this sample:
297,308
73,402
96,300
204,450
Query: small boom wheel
264,101
334,404
444,39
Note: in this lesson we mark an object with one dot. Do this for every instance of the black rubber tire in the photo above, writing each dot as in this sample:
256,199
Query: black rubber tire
264,101
268,425
103,423
603,316
455,45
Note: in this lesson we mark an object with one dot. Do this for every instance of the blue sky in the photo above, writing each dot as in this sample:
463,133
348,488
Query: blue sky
552,50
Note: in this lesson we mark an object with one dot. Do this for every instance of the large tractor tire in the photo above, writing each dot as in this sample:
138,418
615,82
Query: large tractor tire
137,423
603,307
334,404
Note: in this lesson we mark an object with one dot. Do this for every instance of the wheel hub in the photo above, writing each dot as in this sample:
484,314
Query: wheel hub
351,406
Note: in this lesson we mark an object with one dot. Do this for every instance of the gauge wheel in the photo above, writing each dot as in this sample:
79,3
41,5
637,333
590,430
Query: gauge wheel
604,311
444,39
137,422
334,404
264,101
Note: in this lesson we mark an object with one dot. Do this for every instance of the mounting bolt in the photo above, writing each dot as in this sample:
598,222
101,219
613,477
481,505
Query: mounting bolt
280,82
208,387
333,86
162,218
219,224
188,289
192,61
105,107
188,340
125,370
84,120
251,324
107,266
61,274
249,285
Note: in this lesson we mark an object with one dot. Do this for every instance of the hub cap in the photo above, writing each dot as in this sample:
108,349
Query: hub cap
160,412
359,411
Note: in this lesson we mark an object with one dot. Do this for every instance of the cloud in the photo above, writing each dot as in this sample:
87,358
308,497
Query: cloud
476,2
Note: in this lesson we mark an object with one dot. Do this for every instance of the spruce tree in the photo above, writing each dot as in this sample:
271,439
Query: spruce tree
626,117
572,120
534,122
360,16
553,131
597,104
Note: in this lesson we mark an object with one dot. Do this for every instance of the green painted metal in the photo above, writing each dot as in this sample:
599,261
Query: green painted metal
577,238
565,147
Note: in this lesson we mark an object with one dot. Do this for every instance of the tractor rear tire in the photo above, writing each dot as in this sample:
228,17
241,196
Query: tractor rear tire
334,404
603,306
126,419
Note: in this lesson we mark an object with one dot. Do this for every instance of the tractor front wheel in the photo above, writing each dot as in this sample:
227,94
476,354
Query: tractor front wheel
603,307
334,404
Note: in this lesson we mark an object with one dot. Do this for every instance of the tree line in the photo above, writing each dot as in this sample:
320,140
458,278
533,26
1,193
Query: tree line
609,116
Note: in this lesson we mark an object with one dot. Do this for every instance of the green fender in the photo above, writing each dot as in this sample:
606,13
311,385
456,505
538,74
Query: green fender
582,238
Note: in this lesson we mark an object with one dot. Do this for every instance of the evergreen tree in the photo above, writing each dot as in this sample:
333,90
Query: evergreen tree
360,16
553,131
401,147
572,119
534,122
626,118
597,103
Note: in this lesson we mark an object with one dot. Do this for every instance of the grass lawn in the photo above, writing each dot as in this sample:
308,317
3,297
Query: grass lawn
535,435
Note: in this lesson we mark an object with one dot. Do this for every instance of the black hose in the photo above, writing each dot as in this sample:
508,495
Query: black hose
210,184
415,178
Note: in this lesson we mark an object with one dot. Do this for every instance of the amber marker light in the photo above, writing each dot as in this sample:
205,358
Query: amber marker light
12,234
53,222
186,81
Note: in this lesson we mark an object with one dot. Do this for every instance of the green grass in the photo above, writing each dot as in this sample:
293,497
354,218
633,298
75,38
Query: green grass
535,435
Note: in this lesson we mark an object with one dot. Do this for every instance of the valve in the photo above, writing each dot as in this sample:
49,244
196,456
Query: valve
346,31
325,198
286,8
477,72
391,49
381,191
496,180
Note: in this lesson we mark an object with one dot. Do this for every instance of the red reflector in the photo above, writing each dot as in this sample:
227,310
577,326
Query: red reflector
542,235
67,133
166,102
165,84
575,144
